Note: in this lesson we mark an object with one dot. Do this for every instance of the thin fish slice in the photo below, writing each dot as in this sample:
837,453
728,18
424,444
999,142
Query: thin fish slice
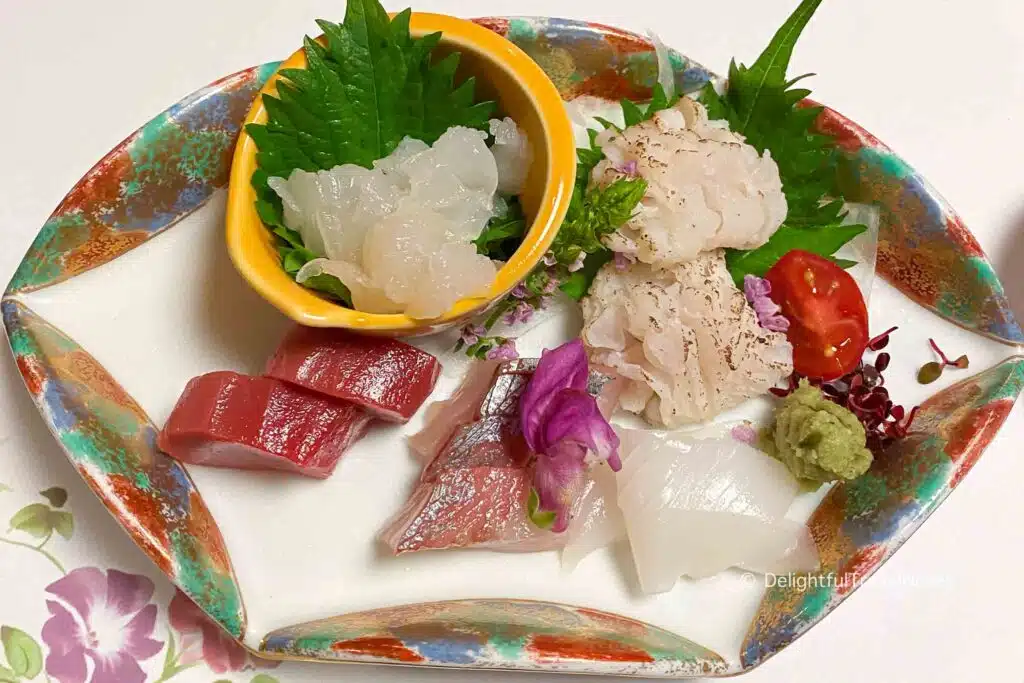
443,417
387,377
224,419
474,492
472,495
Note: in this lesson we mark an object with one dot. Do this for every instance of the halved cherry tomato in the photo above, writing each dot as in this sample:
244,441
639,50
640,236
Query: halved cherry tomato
828,321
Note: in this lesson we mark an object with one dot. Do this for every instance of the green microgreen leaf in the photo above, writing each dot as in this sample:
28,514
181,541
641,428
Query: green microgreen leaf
929,372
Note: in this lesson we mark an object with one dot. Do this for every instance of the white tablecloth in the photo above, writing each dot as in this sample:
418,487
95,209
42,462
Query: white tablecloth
941,81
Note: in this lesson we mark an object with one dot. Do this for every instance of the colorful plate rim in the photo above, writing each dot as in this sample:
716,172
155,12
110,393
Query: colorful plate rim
172,165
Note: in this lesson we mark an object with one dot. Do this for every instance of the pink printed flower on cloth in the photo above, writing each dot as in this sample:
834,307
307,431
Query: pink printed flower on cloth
105,617
202,639
561,423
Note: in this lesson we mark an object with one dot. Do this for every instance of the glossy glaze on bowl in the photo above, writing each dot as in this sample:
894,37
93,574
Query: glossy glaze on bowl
173,164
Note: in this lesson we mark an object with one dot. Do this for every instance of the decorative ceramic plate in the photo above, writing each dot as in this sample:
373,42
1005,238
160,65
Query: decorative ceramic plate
111,312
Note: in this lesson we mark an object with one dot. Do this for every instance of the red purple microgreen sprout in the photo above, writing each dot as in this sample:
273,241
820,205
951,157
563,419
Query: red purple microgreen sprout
930,372
863,393
562,425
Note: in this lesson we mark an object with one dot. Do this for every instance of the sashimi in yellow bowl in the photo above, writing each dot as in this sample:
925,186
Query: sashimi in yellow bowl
369,176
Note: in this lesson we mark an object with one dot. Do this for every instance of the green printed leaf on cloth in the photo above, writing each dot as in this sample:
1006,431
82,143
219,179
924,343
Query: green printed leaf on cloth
24,656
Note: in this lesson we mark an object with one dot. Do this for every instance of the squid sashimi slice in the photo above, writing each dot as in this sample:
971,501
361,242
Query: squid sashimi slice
388,378
442,418
702,544
696,507
599,521
224,419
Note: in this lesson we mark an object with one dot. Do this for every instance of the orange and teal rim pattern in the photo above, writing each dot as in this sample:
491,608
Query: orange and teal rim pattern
171,166
248,238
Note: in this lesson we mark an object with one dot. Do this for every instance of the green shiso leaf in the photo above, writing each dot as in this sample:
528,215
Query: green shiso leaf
761,103
823,240
503,234
370,86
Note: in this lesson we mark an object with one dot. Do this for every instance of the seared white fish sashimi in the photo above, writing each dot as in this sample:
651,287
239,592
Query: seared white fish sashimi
706,187
685,337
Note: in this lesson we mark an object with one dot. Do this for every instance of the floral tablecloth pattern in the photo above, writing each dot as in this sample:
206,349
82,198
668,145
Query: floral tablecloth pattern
98,624
79,602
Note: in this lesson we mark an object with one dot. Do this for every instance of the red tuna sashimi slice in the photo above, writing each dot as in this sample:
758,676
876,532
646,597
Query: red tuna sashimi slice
387,377
472,495
443,417
224,419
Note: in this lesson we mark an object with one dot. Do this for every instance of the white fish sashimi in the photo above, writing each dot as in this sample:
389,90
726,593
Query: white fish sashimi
599,521
696,507
512,155
702,544
706,187
399,235
685,338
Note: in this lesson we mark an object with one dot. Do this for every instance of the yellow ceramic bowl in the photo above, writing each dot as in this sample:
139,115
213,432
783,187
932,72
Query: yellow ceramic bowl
503,73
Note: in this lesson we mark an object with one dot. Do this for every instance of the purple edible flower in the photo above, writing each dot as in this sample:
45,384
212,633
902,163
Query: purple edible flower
520,314
471,334
627,167
623,261
561,423
744,433
520,291
549,259
578,263
504,351
757,290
